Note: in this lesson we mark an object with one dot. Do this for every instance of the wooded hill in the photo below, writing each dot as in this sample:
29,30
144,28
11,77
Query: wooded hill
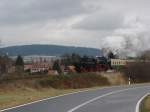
49,50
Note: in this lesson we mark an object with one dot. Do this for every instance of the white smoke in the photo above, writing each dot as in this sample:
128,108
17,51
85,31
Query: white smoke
130,40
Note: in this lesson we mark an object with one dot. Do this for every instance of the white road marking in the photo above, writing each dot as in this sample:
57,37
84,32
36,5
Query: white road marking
100,88
99,97
64,95
137,109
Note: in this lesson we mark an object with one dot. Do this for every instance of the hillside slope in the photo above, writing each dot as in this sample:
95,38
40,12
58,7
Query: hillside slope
52,50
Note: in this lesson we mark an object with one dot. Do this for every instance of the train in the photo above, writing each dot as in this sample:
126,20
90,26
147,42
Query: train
91,64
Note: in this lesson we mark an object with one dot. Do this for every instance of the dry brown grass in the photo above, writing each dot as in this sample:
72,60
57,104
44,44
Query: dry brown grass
22,91
24,95
115,78
147,104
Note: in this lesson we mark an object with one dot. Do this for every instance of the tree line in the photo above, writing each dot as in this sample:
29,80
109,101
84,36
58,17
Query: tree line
139,71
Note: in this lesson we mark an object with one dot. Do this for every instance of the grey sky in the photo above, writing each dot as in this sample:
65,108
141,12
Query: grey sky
92,23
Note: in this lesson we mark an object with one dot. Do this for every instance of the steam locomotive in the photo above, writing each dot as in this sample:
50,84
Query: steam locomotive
91,64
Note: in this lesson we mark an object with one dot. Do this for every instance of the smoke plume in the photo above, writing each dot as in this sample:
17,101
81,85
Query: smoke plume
130,40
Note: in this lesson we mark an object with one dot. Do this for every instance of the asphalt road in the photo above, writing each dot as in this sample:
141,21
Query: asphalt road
112,99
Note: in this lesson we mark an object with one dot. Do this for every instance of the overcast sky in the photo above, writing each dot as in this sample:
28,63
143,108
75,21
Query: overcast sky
89,23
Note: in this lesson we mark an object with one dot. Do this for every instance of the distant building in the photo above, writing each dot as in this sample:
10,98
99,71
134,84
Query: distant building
39,67
120,62
36,58
35,63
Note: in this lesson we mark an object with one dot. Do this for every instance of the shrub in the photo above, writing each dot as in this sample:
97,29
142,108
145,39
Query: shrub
74,81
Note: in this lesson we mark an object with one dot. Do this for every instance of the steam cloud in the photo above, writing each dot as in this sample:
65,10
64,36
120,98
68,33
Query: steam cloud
130,40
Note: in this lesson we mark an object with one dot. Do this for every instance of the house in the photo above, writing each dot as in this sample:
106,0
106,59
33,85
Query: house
37,67
40,67
38,64
120,62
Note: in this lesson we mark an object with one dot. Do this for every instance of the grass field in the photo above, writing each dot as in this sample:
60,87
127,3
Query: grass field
22,91
145,107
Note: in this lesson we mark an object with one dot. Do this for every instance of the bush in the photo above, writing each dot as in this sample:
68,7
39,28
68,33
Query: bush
70,81
74,81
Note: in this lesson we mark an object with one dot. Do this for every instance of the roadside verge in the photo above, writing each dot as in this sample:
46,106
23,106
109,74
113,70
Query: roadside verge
139,107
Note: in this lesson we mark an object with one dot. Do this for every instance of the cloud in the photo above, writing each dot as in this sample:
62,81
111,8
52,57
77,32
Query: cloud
30,11
119,24
101,21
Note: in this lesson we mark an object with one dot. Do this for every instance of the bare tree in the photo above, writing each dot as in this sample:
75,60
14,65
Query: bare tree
138,71
145,55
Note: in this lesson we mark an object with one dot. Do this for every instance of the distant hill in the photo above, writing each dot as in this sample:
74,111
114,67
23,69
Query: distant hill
49,50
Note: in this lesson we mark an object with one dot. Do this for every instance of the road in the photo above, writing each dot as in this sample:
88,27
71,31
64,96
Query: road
109,99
